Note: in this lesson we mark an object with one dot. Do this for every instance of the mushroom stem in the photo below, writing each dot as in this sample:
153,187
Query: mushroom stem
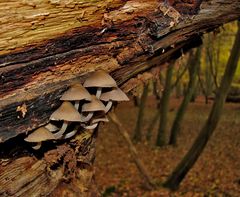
70,134
108,106
76,105
38,146
99,92
59,134
86,118
93,126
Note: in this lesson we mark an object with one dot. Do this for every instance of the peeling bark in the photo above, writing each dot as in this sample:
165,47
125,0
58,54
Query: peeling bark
38,72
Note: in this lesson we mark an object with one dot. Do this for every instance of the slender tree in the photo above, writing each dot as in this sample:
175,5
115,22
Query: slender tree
198,146
140,166
157,93
152,125
194,63
139,124
164,106
201,85
157,90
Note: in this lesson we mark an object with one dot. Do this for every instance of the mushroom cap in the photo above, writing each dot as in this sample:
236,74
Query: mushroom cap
39,135
115,95
75,93
100,79
94,105
66,112
102,119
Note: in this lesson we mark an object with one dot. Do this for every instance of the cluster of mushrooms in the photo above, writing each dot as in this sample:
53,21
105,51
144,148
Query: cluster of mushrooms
80,110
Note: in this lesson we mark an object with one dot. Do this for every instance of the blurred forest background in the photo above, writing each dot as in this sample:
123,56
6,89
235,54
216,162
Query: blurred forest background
167,110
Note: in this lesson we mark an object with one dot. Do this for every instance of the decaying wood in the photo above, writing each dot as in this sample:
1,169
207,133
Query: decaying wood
66,169
27,176
121,37
47,46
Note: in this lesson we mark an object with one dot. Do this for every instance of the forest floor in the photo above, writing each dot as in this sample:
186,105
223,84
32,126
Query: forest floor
216,173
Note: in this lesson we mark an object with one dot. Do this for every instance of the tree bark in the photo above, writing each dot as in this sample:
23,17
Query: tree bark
45,47
193,70
68,168
164,103
41,56
199,144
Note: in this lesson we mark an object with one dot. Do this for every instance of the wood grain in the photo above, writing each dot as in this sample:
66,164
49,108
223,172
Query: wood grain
120,37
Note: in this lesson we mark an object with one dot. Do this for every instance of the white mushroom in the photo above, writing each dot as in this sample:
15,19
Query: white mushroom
67,113
114,95
93,126
76,93
71,133
101,119
38,136
93,106
100,79
95,122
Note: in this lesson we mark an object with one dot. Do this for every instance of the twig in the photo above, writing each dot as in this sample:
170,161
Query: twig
141,168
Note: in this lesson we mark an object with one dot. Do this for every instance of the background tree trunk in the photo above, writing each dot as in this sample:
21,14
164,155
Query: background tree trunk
139,124
198,146
193,68
164,103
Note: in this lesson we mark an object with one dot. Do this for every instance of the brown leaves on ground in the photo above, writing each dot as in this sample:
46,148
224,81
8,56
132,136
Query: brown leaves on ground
216,173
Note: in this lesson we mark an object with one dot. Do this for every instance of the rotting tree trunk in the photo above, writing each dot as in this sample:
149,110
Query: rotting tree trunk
206,132
48,46
68,168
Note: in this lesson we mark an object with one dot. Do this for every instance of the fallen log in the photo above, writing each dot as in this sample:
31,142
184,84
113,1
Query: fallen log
46,47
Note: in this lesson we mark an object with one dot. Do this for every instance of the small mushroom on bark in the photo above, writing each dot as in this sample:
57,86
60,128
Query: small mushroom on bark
76,93
94,106
114,95
71,133
100,79
95,122
67,113
102,119
38,136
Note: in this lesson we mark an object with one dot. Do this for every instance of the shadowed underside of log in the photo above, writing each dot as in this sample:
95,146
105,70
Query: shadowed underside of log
47,46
